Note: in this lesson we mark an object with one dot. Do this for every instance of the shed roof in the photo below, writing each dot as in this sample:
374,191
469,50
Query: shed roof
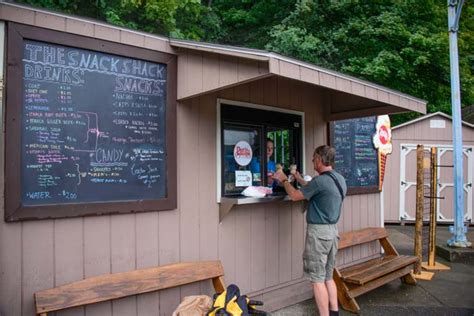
425,117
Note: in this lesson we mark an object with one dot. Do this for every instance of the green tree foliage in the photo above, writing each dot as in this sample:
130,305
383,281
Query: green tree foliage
399,44
248,22
177,18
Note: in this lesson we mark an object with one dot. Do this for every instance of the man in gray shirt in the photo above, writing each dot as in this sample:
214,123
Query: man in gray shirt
325,194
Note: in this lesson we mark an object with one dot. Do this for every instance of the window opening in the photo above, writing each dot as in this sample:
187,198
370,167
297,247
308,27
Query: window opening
255,143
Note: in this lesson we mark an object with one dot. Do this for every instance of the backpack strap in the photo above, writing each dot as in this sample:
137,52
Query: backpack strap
333,177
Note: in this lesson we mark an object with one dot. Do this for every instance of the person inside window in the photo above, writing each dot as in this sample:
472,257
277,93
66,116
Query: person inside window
271,166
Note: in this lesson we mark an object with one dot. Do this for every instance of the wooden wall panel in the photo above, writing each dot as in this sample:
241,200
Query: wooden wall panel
68,256
209,219
283,93
208,208
11,261
358,220
200,73
257,255
169,243
133,39
228,71
210,71
37,260
243,240
97,256
256,95
247,69
10,235
391,185
182,73
147,250
227,250
194,72
284,242
16,14
79,27
243,91
123,256
271,248
106,33
50,21
297,239
188,159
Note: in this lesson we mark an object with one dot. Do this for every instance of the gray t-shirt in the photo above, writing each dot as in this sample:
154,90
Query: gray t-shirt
324,198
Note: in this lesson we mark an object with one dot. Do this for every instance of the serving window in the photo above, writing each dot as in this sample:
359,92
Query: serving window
254,144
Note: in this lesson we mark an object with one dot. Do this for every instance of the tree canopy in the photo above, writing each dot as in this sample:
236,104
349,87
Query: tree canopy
399,44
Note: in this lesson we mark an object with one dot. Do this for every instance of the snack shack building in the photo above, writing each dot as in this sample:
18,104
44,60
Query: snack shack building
119,153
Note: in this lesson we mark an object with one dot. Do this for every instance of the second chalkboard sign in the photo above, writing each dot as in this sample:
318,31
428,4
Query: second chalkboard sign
356,156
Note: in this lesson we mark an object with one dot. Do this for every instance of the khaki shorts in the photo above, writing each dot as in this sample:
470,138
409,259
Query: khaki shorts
319,257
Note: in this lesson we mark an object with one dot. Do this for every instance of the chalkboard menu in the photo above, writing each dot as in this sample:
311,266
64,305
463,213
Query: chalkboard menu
356,156
93,126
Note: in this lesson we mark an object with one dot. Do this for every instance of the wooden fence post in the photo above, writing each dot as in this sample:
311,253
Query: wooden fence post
419,207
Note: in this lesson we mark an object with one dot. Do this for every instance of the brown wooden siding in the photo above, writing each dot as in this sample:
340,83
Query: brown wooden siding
200,73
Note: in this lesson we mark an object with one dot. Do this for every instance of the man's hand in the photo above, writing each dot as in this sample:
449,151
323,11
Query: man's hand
300,179
280,176
295,195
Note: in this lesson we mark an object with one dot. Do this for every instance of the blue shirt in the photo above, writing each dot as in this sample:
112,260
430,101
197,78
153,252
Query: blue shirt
271,166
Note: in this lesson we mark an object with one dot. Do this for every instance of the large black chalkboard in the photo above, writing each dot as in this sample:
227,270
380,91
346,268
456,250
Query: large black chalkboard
91,126
94,126
356,156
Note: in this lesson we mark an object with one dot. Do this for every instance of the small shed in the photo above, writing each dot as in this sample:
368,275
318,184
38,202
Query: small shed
116,155
399,188
467,113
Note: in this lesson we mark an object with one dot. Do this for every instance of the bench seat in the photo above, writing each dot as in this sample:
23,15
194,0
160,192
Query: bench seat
117,285
366,272
363,277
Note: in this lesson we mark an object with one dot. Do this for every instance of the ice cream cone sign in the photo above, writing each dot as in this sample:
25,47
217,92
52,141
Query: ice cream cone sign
383,143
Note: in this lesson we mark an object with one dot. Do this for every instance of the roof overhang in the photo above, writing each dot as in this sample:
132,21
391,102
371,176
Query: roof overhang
348,96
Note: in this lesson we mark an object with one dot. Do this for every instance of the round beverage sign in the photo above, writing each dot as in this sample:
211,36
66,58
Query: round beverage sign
242,153
383,135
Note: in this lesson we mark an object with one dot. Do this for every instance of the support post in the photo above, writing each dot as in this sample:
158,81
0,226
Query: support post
433,208
458,230
419,208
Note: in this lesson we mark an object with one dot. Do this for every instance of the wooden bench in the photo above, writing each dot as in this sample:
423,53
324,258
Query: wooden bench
356,280
113,286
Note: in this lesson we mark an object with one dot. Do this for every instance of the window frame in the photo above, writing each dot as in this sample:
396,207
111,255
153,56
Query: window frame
219,135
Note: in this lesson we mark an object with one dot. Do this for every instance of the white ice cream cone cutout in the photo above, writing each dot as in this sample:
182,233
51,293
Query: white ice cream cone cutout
383,142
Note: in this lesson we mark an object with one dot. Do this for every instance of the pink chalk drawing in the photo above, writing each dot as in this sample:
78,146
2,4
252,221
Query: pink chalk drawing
92,128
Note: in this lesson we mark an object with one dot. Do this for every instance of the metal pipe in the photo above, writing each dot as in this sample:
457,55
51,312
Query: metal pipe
458,230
